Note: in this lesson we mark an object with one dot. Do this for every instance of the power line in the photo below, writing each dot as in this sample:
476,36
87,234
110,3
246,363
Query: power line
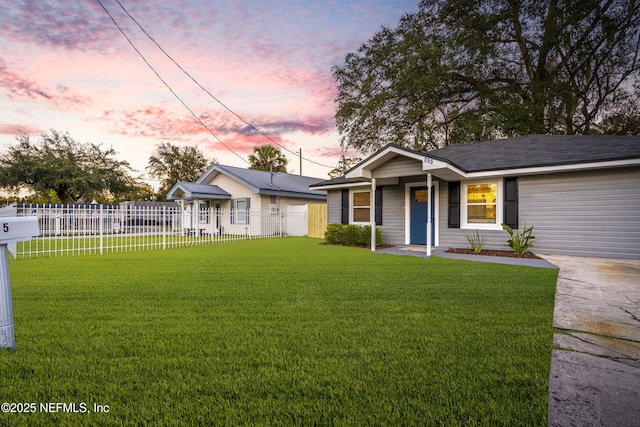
166,84
210,94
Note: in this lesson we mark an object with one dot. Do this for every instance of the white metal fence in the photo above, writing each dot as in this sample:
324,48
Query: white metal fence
100,229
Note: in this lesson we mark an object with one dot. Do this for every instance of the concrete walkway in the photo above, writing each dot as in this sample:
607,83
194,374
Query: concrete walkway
595,364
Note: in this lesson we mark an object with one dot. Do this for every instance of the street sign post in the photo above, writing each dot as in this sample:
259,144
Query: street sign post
12,229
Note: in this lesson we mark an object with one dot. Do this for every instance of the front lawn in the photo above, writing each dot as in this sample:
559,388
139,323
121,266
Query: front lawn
278,332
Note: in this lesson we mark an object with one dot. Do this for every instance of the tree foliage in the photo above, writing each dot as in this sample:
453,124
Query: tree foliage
467,70
344,164
172,164
69,169
268,158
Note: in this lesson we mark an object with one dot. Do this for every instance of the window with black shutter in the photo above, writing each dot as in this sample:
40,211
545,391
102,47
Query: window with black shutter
510,214
454,205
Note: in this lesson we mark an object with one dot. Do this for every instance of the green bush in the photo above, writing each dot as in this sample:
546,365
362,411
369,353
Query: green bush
365,235
334,233
351,234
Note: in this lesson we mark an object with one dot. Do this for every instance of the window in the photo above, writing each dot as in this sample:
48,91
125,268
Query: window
481,202
204,209
240,211
362,206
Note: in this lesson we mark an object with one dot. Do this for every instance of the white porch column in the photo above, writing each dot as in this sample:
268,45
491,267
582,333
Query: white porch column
429,218
372,214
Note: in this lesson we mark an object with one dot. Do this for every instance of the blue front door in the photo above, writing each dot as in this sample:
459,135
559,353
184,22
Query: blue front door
418,216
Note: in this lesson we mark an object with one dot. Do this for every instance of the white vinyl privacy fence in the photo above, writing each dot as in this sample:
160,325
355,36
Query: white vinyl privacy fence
101,229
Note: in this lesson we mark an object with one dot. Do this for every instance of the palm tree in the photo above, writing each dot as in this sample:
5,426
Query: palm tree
268,158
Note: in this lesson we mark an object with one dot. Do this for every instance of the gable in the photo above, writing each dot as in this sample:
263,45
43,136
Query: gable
231,186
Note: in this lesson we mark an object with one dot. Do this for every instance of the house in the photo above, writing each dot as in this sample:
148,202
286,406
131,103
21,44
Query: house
224,198
581,194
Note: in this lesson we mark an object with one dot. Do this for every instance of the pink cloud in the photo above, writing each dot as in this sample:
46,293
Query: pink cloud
14,129
17,87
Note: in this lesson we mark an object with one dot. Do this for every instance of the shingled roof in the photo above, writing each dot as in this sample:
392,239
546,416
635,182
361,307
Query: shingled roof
190,190
531,152
538,151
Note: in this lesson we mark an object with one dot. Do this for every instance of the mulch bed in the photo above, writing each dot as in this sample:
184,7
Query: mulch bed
488,252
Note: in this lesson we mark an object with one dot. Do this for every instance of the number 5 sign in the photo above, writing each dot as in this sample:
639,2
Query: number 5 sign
13,230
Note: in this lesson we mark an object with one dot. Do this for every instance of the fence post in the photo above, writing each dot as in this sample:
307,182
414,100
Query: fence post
164,227
101,228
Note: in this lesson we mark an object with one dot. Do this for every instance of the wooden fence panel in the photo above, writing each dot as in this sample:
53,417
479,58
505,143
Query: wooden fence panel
317,220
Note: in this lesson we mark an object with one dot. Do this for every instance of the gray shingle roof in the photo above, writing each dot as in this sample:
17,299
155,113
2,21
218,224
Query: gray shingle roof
538,151
261,182
191,190
523,152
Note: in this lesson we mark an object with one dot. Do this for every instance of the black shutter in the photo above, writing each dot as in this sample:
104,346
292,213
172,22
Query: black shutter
345,207
232,211
454,205
378,212
510,214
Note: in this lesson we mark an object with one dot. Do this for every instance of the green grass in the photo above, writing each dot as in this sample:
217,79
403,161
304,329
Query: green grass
279,332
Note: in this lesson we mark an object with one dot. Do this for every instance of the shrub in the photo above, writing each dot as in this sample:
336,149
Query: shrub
351,234
520,242
477,241
365,235
334,234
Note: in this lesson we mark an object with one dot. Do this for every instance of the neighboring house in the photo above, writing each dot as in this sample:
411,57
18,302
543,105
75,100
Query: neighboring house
232,193
581,193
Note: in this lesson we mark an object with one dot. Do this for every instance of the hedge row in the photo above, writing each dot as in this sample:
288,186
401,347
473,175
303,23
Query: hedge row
351,234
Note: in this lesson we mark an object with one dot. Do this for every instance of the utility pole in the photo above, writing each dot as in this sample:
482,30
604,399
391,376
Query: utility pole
301,162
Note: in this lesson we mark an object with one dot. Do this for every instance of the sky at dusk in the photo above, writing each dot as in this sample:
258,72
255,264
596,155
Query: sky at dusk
65,65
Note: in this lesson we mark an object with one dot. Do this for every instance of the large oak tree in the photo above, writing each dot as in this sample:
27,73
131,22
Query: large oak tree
173,163
468,70
72,170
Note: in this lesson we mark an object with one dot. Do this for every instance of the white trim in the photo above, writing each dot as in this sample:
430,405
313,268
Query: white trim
549,169
407,210
362,170
464,225
352,206
432,164
340,186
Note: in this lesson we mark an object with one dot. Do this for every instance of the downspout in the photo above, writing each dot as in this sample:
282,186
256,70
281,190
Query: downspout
429,219
372,214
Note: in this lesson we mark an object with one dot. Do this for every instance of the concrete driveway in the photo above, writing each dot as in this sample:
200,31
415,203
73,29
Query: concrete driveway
595,364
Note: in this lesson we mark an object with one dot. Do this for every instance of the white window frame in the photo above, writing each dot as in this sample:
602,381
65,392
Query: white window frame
240,218
204,211
352,205
464,207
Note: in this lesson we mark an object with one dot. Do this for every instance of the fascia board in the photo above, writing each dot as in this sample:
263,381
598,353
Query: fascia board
432,164
340,186
363,170
556,168
292,194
